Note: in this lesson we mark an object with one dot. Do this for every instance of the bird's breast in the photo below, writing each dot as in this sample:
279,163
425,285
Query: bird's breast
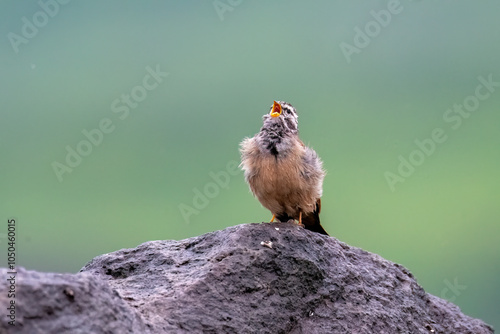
279,183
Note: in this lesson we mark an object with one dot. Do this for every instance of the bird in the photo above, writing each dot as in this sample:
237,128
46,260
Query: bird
284,174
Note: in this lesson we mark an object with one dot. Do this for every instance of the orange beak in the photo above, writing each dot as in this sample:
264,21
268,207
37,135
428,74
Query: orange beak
276,111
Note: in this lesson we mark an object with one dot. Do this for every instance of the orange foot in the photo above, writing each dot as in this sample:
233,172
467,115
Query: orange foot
300,219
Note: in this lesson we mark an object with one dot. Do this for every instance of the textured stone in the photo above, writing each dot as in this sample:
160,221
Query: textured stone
66,303
252,278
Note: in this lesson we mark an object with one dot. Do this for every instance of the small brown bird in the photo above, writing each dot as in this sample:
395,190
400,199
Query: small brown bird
285,175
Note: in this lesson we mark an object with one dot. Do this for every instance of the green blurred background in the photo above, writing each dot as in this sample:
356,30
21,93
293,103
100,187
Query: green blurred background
227,63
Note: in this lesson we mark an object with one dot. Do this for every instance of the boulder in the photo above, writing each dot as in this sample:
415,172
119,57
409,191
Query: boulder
66,303
250,278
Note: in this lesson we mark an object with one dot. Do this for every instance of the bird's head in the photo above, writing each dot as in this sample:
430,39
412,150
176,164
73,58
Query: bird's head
282,115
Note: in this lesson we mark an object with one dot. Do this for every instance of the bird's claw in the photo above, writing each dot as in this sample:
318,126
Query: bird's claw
296,222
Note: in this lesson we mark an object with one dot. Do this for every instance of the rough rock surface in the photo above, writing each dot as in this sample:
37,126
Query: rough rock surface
66,303
252,278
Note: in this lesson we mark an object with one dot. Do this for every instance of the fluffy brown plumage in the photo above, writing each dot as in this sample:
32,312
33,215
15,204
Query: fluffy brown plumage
285,175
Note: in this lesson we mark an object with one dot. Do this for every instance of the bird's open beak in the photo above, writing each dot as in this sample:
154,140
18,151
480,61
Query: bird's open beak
276,111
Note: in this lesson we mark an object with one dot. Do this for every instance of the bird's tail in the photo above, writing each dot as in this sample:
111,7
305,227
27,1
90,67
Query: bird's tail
311,221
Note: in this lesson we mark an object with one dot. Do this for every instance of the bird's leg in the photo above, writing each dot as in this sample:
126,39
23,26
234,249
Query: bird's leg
300,219
272,219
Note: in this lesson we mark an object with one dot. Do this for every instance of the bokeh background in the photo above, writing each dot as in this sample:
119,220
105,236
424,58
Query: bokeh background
226,62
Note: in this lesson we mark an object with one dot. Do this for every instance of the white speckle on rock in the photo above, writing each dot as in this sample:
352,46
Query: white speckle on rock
268,244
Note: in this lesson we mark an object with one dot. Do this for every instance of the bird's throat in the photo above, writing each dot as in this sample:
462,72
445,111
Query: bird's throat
275,141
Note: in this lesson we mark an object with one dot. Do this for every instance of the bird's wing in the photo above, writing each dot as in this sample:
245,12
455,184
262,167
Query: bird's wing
312,165
248,150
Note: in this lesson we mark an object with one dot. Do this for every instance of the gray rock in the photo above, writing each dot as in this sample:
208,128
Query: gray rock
66,303
252,278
